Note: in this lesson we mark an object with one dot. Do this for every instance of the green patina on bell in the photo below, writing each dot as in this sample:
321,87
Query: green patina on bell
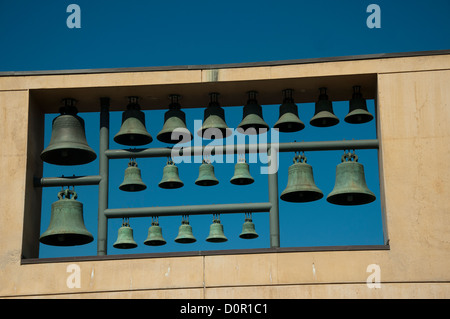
133,131
170,179
358,112
132,181
206,175
68,144
350,186
214,125
324,116
174,129
216,234
252,121
288,120
248,228
155,237
301,186
242,174
66,222
185,235
125,237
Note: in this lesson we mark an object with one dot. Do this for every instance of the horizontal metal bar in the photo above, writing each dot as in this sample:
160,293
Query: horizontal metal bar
67,181
242,148
188,210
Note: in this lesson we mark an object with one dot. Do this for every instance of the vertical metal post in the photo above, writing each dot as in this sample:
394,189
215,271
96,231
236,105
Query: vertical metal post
102,235
273,197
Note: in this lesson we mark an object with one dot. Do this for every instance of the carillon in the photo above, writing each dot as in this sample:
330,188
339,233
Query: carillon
323,115
350,187
185,235
252,121
241,173
358,112
288,120
216,234
66,222
133,131
248,228
301,187
68,144
214,125
174,129
125,236
206,175
170,179
155,237
132,181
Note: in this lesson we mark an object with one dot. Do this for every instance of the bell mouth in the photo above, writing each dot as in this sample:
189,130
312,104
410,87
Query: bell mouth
351,198
66,239
301,196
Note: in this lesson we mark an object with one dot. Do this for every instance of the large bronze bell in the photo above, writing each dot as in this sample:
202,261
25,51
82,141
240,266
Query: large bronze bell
66,222
350,186
170,179
248,228
241,174
206,175
301,187
185,235
252,122
288,120
132,181
358,112
174,129
324,116
214,126
68,144
216,234
155,237
125,237
133,131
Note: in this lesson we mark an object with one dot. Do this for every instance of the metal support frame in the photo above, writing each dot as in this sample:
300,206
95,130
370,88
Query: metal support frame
272,206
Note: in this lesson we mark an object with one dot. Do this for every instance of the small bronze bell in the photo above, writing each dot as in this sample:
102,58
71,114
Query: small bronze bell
133,131
301,187
288,120
358,112
155,237
66,222
170,179
132,181
214,125
324,116
216,234
206,175
174,129
241,173
185,235
125,236
252,122
350,187
248,228
68,144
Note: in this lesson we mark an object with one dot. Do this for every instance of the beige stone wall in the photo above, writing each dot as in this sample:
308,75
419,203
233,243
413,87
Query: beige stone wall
413,114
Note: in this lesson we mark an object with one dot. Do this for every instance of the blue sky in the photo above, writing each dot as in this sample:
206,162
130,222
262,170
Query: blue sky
34,36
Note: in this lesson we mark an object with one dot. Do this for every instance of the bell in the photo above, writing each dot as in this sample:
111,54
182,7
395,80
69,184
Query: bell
216,234
66,222
206,175
125,237
288,120
214,121
358,112
132,181
170,179
248,229
301,187
324,116
241,174
174,129
185,235
155,237
252,122
133,131
350,186
68,145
